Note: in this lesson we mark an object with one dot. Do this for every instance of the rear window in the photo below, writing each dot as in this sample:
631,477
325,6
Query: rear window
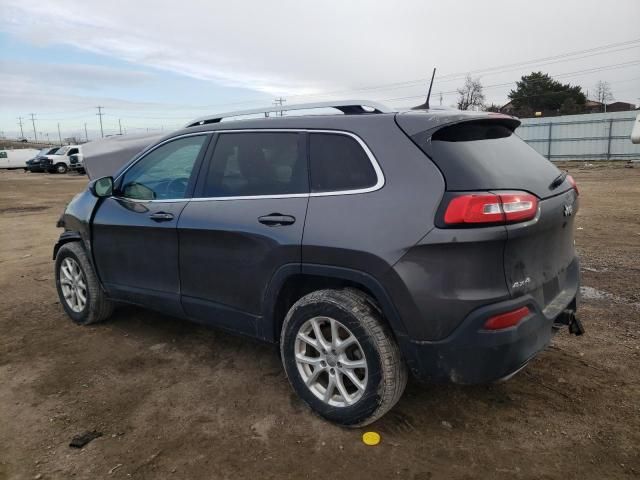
339,163
488,155
471,131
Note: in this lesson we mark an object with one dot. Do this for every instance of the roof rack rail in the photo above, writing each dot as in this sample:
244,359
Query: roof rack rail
345,106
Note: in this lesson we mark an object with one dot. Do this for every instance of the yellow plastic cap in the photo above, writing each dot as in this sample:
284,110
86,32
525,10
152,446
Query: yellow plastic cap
371,438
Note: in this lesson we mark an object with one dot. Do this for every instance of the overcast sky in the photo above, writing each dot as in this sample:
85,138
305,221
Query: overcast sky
157,66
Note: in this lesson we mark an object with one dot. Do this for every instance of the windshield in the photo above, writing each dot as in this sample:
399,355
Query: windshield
52,150
62,150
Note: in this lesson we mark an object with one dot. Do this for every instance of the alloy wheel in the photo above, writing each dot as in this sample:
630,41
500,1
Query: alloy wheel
73,284
331,361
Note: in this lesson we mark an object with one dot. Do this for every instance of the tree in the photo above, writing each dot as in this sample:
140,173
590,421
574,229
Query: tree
603,93
538,92
471,94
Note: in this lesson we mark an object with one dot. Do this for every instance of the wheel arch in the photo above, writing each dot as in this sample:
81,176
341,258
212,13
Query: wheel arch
293,281
66,237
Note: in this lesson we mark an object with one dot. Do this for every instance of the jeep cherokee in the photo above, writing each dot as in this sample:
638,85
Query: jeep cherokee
367,244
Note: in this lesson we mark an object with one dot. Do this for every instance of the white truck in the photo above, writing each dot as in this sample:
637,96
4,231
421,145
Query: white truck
16,158
60,161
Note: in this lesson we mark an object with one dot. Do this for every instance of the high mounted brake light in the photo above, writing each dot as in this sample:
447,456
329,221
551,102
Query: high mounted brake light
478,208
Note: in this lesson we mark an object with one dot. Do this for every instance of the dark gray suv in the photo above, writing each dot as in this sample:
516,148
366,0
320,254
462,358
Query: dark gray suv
367,244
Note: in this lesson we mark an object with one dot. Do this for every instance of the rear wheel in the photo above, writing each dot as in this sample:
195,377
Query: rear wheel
341,358
78,289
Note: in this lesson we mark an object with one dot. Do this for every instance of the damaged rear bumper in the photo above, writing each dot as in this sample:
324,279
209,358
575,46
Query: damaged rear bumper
473,355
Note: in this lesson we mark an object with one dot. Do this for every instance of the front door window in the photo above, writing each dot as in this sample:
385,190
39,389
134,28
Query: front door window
164,173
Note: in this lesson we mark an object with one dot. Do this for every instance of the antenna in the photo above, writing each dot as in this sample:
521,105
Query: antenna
425,105
433,75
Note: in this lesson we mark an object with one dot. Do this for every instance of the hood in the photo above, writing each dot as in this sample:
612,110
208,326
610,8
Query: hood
106,156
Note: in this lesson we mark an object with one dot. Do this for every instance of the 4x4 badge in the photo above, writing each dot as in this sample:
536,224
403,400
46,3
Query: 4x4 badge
568,210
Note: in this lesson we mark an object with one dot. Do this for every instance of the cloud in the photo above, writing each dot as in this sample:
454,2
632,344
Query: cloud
80,76
305,48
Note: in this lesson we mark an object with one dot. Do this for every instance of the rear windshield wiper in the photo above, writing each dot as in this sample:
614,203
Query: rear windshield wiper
558,181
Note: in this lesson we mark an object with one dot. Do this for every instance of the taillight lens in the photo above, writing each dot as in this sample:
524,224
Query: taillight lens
506,320
519,207
477,208
573,183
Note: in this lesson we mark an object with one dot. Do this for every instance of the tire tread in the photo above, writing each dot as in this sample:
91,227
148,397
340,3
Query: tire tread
363,308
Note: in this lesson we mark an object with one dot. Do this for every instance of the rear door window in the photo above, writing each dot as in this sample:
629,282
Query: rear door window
339,163
257,163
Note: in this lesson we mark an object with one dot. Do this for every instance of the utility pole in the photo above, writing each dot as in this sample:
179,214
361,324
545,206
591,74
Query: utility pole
86,136
120,125
279,102
33,122
59,136
440,98
100,114
20,123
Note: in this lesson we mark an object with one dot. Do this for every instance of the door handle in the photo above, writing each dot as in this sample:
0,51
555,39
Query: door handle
161,216
276,220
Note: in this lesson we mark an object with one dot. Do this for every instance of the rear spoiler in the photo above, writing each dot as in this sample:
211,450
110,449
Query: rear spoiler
420,126
105,157
428,121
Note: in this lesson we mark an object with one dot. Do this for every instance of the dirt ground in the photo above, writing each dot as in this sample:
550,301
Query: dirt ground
177,400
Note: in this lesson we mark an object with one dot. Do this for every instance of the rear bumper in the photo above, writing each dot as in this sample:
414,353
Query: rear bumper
471,355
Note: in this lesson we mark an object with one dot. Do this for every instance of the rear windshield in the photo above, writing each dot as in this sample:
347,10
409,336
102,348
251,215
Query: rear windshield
488,155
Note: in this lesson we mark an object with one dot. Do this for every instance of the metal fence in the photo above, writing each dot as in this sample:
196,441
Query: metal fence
596,136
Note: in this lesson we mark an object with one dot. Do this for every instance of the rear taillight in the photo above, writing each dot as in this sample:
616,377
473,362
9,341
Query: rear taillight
475,208
573,183
506,320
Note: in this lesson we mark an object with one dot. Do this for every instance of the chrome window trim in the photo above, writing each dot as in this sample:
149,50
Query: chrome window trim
372,159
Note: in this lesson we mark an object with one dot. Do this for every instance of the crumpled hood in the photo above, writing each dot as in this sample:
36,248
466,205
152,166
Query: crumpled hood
106,156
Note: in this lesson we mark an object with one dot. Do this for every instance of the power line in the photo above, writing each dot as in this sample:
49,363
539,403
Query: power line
33,122
20,123
560,75
100,116
279,102
498,69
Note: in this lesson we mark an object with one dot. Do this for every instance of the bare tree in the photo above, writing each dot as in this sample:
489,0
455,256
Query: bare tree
603,93
470,95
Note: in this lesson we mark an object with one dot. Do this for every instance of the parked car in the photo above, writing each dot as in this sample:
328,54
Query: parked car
34,165
367,245
15,158
59,162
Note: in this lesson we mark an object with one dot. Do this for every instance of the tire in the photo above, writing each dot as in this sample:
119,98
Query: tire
60,168
382,383
96,307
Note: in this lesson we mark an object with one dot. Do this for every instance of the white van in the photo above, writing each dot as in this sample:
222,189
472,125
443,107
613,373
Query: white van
16,158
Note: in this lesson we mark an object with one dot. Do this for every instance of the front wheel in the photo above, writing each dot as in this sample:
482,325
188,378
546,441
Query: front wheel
78,288
341,358
61,168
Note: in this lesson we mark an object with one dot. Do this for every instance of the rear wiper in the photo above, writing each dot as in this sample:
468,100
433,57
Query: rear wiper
558,181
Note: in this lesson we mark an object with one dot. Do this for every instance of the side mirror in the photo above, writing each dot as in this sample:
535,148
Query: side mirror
102,187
